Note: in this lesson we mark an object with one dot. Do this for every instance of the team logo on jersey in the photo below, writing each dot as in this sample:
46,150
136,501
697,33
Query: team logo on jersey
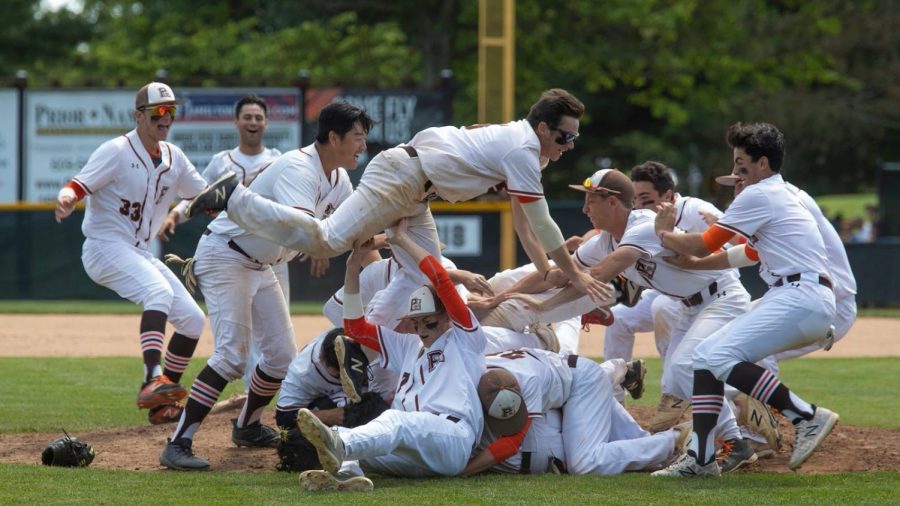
434,358
415,304
645,268
328,210
162,193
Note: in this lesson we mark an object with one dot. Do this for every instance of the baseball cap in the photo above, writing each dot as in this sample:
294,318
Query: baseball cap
607,182
728,180
423,302
505,412
155,94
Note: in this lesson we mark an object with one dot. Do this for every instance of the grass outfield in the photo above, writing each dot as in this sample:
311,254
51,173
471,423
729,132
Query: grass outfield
98,393
297,308
41,395
42,485
850,205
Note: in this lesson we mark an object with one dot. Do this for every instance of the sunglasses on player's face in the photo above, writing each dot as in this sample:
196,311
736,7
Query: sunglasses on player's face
158,111
566,137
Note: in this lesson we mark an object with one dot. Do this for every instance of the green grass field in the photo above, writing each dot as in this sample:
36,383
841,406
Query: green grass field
92,394
850,205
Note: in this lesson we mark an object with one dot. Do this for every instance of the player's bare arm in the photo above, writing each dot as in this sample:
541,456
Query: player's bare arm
168,225
683,244
474,282
530,242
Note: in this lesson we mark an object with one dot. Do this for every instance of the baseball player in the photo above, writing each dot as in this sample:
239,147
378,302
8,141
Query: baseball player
233,267
435,417
456,164
795,312
246,160
599,436
629,245
129,182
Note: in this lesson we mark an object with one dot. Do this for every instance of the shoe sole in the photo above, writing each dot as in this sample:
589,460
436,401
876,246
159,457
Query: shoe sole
826,430
192,208
171,465
750,460
163,421
318,481
163,395
244,443
346,382
312,429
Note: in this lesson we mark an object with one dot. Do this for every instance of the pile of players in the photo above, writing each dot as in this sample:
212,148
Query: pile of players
435,371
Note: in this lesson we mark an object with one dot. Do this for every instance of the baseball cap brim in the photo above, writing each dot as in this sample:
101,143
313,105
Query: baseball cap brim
728,180
599,189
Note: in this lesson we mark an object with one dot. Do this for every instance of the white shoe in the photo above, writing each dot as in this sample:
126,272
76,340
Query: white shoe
328,444
687,467
321,481
810,434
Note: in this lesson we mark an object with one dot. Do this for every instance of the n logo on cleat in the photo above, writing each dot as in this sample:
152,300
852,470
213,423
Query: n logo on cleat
220,194
356,365
811,431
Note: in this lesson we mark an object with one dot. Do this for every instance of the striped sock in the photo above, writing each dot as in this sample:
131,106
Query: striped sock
262,389
706,403
760,383
178,355
151,350
204,393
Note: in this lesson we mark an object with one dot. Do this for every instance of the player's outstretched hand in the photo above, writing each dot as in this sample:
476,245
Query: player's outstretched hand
318,267
708,217
64,207
531,302
665,217
473,282
168,226
597,290
572,243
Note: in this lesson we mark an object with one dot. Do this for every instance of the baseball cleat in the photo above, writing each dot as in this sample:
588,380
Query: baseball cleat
546,334
178,456
668,413
214,197
685,431
165,413
687,467
159,390
737,453
255,435
320,481
328,444
599,316
763,450
810,434
353,366
634,378
754,415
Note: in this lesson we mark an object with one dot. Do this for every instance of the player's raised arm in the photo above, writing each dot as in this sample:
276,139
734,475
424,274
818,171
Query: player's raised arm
355,324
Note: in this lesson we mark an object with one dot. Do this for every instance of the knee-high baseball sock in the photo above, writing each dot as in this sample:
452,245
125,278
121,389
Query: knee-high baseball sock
760,383
706,403
204,393
178,355
262,389
153,326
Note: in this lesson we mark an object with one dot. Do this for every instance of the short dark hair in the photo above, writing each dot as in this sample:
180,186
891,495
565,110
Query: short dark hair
339,117
758,140
552,106
250,98
327,353
655,173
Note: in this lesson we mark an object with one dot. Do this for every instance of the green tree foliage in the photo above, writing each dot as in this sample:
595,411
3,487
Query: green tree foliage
661,79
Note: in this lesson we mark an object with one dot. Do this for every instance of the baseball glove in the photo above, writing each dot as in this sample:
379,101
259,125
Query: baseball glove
364,411
67,452
627,293
296,453
187,270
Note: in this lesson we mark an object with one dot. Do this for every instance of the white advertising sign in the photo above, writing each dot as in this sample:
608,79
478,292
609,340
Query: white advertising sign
461,234
9,145
64,127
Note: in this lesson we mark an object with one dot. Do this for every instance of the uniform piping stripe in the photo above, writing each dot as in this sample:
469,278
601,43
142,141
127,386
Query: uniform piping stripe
524,193
135,151
305,210
337,300
731,229
384,354
578,258
243,170
681,213
82,185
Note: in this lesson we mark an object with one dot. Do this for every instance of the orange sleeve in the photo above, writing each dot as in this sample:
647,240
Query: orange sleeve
507,446
751,253
453,303
77,188
362,332
715,237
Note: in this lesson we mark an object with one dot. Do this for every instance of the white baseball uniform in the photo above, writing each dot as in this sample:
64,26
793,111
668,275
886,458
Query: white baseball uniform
599,436
308,379
128,197
435,417
233,267
798,307
711,299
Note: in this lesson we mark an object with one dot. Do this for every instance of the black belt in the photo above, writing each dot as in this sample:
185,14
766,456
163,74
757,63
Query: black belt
697,298
233,245
793,278
525,464
572,360
454,419
411,151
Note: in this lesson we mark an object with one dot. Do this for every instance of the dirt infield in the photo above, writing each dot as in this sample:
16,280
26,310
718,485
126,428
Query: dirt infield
849,449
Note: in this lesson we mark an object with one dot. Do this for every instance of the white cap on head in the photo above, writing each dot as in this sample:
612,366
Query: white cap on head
422,302
155,94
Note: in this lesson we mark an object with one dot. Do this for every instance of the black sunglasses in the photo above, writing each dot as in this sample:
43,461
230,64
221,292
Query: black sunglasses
566,137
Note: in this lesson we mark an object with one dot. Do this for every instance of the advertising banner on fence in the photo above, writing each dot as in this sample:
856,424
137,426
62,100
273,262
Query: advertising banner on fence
9,144
63,128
